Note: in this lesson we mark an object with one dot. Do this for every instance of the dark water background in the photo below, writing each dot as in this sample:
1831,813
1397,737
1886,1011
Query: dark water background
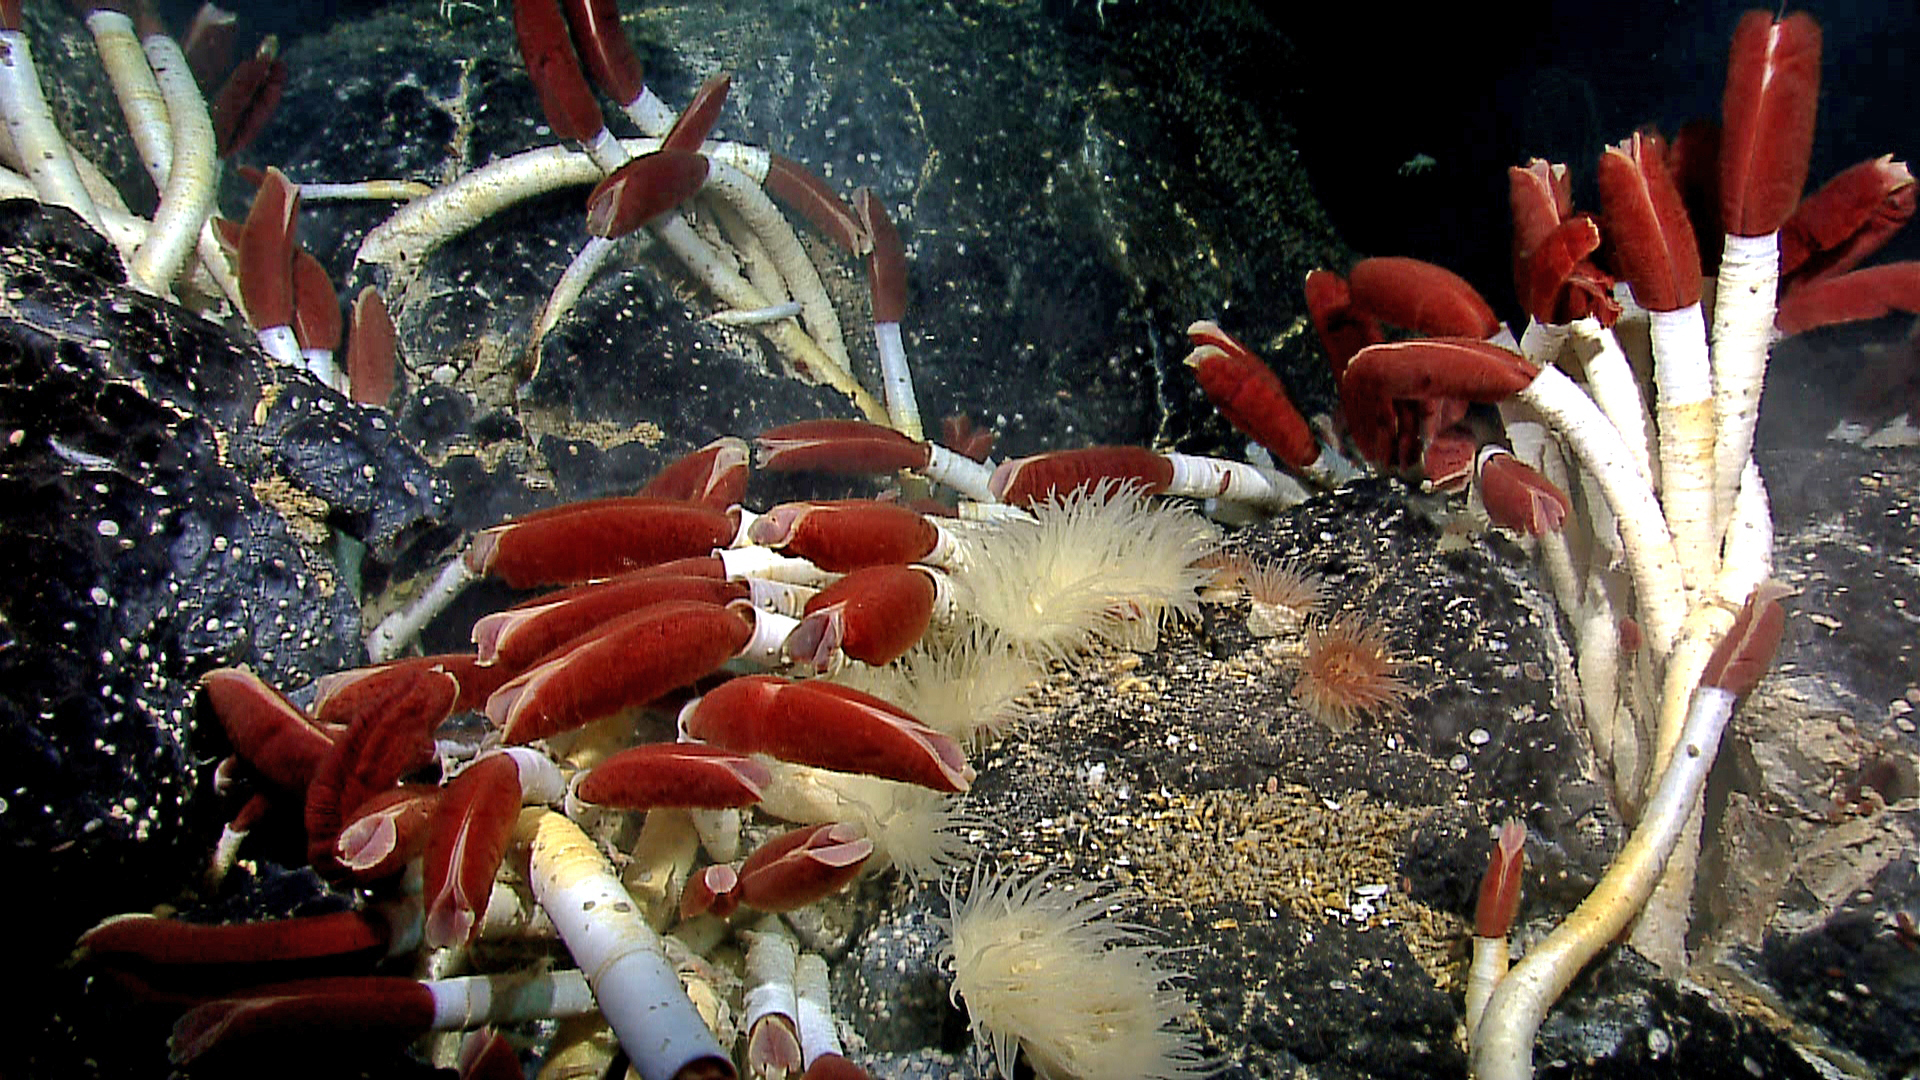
1478,88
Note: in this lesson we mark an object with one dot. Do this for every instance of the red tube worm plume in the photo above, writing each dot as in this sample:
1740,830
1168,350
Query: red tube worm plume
316,308
687,775
266,252
834,1067
628,663
517,638
157,943
695,122
597,538
802,866
1347,673
1632,638
208,43
1500,888
1540,197
315,1015
829,727
379,747
387,831
643,189
958,434
1426,370
342,696
711,890
1745,654
487,1055
416,690
1419,296
1446,464
1653,246
796,185
1851,297
1693,160
1028,481
1852,216
604,48
272,733
886,259
565,96
1767,113
1343,329
1553,272
477,681
248,98
1517,497
466,840
713,476
839,536
873,615
843,447
372,350
1249,395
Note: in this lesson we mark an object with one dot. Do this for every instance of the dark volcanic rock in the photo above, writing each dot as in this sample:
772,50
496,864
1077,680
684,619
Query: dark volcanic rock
156,480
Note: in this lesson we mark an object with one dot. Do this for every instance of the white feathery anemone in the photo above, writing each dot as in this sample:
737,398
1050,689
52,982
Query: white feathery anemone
923,832
1044,967
967,689
1107,565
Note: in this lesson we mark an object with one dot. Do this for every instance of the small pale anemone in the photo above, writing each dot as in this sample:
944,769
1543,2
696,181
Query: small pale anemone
1227,572
1283,594
1107,565
1044,967
967,689
1347,672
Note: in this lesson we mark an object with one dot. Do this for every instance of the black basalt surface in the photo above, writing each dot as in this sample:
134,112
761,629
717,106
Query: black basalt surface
136,553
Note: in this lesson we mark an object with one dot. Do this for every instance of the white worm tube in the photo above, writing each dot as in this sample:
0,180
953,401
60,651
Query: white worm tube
624,960
1643,531
469,1001
187,199
36,138
1742,333
1503,1043
814,1017
401,627
1685,383
133,84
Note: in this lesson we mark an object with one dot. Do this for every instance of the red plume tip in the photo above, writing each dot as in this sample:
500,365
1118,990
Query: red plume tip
1852,216
248,98
1421,297
1745,654
794,184
887,262
1500,888
1773,90
266,252
604,48
1653,244
695,122
642,190
316,308
372,350
565,96
1517,497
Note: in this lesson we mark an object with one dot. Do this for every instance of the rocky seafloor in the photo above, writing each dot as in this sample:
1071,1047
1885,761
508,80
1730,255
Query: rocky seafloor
1073,191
